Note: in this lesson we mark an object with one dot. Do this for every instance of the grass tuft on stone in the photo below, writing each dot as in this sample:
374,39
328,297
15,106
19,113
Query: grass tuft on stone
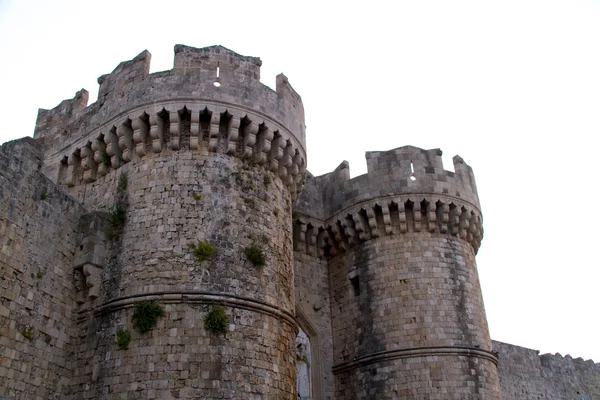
123,338
145,315
204,251
216,320
256,255
27,333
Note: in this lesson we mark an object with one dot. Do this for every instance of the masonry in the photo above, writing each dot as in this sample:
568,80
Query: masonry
187,190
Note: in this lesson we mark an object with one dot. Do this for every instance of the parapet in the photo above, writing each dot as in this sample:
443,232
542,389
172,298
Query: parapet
405,170
404,190
208,90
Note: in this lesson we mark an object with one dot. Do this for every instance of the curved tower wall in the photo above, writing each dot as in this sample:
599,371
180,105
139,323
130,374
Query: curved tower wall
407,313
203,163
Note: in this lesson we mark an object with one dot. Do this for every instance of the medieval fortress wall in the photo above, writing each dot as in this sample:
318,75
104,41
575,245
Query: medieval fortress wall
38,235
378,271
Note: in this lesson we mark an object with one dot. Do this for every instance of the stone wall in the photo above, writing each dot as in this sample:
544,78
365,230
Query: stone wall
524,374
313,312
379,270
38,236
407,315
408,321
176,199
204,163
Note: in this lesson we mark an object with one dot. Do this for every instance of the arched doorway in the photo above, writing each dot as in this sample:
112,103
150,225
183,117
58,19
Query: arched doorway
309,371
303,367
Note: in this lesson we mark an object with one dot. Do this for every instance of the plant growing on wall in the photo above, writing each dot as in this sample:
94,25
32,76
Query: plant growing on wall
256,255
122,184
123,338
267,180
145,315
204,251
117,213
106,159
27,333
216,320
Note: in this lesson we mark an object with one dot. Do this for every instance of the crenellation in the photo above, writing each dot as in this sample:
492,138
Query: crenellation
205,61
524,373
55,122
135,70
130,92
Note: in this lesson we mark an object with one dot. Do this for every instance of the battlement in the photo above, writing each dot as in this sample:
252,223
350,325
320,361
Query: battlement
405,170
212,100
205,61
404,190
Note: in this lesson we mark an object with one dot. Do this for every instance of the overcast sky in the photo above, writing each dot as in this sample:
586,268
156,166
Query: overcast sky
511,86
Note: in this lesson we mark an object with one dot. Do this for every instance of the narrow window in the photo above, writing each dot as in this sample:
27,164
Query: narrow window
355,285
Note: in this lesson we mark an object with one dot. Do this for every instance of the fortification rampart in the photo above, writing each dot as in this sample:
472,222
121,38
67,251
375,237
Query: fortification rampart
525,374
38,232
138,113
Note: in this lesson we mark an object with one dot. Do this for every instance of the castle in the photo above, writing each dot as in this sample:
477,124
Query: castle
187,191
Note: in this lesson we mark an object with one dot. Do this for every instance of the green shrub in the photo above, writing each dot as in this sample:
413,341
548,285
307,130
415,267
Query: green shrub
197,196
27,333
106,159
256,255
204,251
145,314
267,180
122,183
216,320
116,219
123,338
40,274
44,194
117,213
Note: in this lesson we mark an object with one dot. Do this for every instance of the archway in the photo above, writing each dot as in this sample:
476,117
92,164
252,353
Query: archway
309,374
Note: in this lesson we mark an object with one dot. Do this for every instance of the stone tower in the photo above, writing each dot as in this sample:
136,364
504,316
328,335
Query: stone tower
366,288
211,156
406,310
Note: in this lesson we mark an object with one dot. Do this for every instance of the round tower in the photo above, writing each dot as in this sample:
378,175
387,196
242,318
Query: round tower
189,175
407,313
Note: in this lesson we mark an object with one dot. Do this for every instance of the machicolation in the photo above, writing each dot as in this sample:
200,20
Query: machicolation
168,242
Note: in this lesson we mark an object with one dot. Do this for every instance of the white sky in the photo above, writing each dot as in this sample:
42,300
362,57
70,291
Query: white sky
511,86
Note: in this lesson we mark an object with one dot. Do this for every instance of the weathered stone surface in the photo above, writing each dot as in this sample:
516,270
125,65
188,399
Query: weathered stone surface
38,235
524,374
104,208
